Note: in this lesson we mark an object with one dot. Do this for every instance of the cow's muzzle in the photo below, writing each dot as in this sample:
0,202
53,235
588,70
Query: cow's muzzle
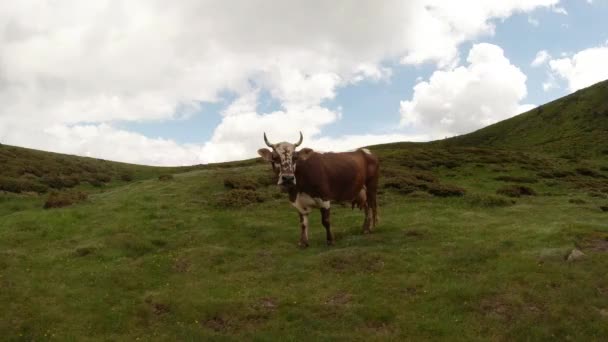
287,180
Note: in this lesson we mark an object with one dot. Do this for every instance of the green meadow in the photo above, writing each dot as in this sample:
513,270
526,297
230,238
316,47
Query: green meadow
473,244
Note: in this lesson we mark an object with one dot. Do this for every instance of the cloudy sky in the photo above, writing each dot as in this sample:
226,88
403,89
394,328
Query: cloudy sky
186,82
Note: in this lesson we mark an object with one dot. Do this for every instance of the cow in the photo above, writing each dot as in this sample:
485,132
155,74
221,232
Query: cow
314,179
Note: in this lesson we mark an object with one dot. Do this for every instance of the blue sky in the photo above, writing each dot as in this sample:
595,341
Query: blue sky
192,83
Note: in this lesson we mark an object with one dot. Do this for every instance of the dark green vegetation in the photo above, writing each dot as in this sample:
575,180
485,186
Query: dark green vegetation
573,126
211,253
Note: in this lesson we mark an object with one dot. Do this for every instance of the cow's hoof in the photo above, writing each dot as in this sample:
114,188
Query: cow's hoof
367,231
303,244
330,242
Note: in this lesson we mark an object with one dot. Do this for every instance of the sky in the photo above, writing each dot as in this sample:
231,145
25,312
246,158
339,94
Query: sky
191,82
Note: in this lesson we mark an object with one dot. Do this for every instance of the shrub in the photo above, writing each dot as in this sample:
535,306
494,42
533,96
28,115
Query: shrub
127,176
95,183
21,185
101,177
488,201
555,174
64,199
588,172
516,191
516,179
445,190
165,178
61,181
238,198
242,183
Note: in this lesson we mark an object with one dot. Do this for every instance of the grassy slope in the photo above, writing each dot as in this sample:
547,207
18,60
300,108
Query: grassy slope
574,125
161,260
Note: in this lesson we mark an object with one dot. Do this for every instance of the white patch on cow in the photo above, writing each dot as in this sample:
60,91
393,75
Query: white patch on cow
304,203
366,151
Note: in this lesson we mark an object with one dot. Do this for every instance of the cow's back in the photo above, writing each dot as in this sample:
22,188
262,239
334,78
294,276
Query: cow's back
335,176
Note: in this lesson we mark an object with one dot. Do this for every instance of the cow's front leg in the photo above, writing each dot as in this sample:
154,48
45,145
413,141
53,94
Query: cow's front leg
304,230
325,218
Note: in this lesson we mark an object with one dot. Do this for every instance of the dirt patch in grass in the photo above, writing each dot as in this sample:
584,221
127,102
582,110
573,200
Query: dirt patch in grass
181,265
353,262
266,303
594,242
496,307
516,191
237,317
339,299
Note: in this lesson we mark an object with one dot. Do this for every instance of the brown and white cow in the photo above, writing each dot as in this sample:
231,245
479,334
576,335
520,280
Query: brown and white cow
315,179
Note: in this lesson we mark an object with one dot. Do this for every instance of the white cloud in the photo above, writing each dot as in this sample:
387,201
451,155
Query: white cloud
469,97
542,57
583,69
78,65
533,21
559,10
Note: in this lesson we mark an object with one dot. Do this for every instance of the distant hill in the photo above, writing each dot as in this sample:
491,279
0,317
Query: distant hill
576,125
27,170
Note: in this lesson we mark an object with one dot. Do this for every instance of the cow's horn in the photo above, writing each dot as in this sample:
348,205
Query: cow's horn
300,141
267,142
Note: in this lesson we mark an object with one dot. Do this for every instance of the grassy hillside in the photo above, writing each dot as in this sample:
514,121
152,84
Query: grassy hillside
575,125
27,170
471,246
473,242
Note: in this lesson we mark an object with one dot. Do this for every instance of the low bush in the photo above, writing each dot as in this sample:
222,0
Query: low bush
242,183
165,178
61,181
588,172
488,201
445,190
63,199
555,174
17,185
127,176
238,198
516,191
516,179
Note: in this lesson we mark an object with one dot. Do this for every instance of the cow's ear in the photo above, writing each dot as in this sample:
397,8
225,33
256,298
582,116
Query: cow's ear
304,153
265,154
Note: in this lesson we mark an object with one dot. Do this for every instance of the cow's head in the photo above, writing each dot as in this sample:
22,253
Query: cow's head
283,158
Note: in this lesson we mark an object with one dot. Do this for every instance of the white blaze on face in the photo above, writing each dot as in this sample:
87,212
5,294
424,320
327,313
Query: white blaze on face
287,165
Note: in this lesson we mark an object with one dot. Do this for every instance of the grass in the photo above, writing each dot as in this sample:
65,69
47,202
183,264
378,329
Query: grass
160,259
575,126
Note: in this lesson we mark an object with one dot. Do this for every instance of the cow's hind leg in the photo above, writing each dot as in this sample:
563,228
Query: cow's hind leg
304,230
325,218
